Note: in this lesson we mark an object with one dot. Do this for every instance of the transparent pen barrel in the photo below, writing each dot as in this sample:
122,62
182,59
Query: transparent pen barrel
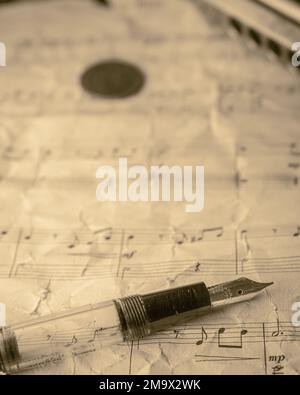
60,335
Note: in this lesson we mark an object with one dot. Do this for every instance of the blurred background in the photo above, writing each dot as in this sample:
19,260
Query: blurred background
171,82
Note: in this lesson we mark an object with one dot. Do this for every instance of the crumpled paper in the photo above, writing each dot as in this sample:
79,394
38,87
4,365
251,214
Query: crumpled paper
210,101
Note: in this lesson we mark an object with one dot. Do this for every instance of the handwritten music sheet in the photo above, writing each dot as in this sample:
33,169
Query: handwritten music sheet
209,100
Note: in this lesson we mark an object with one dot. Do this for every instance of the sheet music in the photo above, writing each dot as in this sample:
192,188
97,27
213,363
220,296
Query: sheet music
61,248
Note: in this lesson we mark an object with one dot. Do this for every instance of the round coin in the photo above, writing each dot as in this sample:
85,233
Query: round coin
105,3
113,79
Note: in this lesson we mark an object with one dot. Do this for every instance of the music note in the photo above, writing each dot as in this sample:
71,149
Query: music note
180,238
73,341
129,255
3,233
115,152
218,230
294,165
46,153
195,238
96,333
243,233
130,237
75,242
203,337
278,331
297,233
11,153
239,344
242,148
28,236
107,232
161,236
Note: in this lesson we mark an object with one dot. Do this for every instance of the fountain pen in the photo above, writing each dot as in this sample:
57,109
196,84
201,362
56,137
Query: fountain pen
52,338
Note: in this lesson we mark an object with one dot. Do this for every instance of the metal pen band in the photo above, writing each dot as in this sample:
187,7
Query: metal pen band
141,315
133,317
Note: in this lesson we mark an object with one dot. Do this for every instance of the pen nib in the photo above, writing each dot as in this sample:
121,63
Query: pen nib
254,286
236,291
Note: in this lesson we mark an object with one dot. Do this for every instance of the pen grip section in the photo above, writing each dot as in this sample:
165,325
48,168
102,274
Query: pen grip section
175,302
141,315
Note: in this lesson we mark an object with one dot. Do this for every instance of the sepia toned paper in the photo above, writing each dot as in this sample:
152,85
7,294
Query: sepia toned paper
208,100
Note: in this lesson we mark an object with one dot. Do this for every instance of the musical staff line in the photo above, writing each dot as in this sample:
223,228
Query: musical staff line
152,269
113,252
136,236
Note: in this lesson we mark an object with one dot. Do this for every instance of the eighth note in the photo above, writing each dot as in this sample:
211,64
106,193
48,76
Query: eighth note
231,344
73,341
96,333
203,337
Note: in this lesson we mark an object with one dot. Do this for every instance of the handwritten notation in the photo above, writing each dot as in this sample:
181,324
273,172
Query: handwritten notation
235,343
227,335
111,252
138,236
221,335
203,337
